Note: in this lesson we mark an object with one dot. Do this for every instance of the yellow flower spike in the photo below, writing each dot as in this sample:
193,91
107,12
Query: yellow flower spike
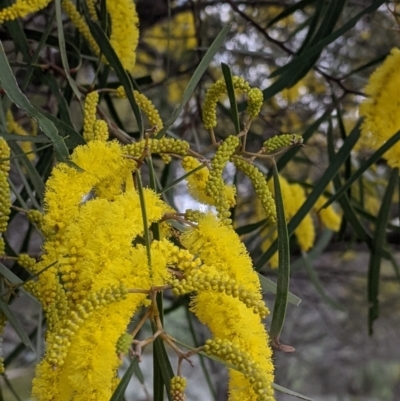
2,246
89,115
124,30
215,186
21,8
197,183
381,117
255,100
14,128
5,195
281,141
260,186
149,110
259,380
178,386
91,5
80,24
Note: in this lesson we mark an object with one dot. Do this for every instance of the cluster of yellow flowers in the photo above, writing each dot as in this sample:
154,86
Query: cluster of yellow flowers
293,196
123,16
89,271
380,111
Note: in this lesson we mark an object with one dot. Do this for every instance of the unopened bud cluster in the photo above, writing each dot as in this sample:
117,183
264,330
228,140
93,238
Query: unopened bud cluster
5,201
233,354
260,186
255,100
124,343
281,141
200,281
59,344
145,105
215,187
178,386
150,146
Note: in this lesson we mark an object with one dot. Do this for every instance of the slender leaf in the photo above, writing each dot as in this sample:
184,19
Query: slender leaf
194,80
119,392
364,167
248,228
328,175
231,94
290,10
291,392
378,242
278,316
16,325
10,86
268,285
317,283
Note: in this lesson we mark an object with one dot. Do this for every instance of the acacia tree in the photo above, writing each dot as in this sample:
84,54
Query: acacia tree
254,109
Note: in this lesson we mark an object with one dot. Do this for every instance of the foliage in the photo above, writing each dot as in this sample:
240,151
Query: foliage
166,158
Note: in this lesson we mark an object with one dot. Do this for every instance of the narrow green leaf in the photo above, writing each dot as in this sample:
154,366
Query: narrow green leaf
378,242
328,175
364,167
164,364
268,285
182,178
194,80
278,316
231,94
63,51
290,10
16,325
248,228
31,171
10,86
24,138
119,392
291,392
317,283
320,45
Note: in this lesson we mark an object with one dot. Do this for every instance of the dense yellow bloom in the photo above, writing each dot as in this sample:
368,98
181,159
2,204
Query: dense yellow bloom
197,183
218,245
21,8
124,30
89,115
380,111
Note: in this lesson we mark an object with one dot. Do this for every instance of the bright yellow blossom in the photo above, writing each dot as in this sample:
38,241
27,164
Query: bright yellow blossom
21,8
380,111
124,30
